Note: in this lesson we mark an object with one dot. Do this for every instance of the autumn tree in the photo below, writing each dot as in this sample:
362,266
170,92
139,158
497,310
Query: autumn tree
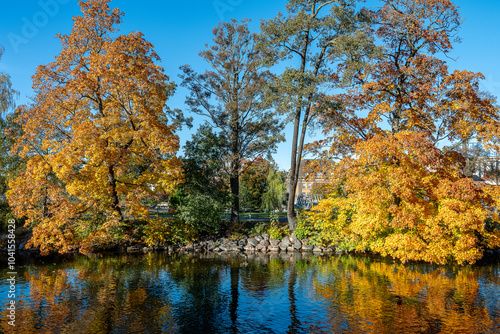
98,135
231,95
399,190
313,34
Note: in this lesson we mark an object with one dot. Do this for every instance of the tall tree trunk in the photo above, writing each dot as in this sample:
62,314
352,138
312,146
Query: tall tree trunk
114,194
296,150
234,179
292,186
235,189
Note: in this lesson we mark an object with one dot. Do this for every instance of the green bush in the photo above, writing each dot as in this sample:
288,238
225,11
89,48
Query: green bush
276,233
305,229
171,230
5,215
201,212
275,230
258,229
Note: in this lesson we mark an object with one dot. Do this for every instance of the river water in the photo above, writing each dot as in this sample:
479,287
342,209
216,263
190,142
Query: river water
161,293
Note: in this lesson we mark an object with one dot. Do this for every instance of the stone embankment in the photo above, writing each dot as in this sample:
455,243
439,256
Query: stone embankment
260,243
256,244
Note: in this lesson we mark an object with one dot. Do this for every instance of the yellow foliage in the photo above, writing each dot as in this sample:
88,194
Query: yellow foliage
402,197
172,230
97,135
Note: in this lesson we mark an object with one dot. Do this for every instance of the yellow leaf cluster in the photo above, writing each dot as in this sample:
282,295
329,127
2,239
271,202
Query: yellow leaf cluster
97,135
402,197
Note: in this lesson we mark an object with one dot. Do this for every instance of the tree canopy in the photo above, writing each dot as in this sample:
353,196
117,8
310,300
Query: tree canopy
397,191
97,143
231,95
205,192
98,135
316,34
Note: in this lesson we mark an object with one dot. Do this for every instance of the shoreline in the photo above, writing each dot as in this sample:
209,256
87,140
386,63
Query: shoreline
248,247
261,243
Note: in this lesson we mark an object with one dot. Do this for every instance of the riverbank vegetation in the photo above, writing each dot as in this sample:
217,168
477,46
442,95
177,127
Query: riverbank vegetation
98,146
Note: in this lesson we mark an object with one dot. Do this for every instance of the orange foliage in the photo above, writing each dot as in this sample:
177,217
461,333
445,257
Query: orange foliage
97,136
399,194
404,198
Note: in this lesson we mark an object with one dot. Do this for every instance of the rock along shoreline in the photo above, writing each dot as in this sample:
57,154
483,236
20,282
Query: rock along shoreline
250,246
257,244
262,243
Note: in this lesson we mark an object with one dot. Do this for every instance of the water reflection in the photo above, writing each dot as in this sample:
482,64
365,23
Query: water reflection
158,293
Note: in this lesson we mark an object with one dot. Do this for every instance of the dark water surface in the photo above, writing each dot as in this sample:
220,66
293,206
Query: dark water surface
160,293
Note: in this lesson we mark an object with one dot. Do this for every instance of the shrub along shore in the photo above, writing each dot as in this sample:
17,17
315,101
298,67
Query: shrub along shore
239,242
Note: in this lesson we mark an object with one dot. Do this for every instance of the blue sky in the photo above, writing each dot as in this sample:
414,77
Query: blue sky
180,29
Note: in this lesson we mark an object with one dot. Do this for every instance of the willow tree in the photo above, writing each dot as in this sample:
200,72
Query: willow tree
231,96
401,187
275,191
7,93
314,33
7,163
97,135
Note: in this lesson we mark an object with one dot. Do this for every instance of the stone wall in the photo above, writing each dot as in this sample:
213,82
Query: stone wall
261,243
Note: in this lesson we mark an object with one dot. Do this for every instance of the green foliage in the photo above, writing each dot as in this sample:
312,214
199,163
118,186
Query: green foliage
5,214
6,92
201,211
253,183
303,229
204,194
307,230
231,94
277,230
346,245
275,192
168,230
10,165
258,229
207,150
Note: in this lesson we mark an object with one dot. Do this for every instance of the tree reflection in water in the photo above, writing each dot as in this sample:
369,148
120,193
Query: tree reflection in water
158,293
